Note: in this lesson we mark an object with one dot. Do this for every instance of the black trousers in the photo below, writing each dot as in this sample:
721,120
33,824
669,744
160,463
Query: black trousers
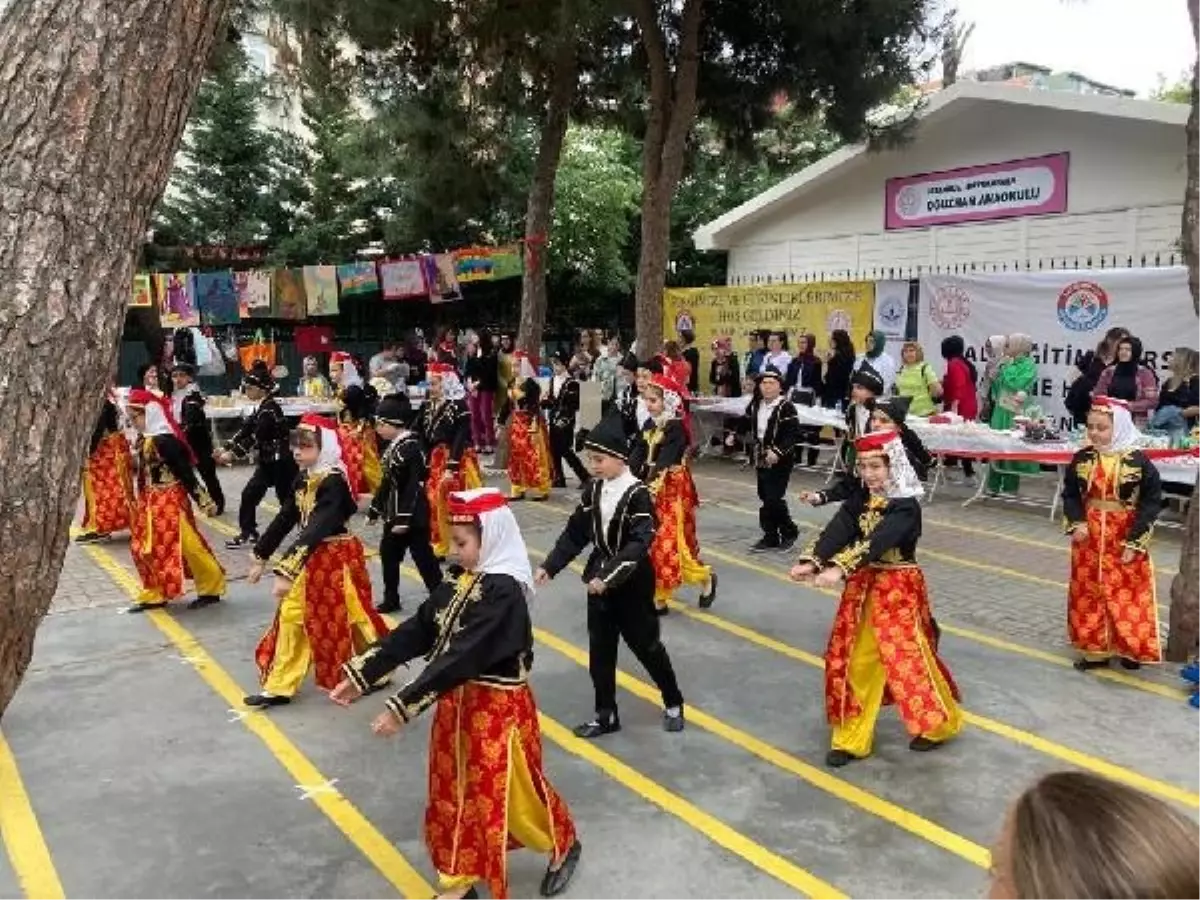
207,467
392,548
280,475
773,515
810,436
561,448
627,614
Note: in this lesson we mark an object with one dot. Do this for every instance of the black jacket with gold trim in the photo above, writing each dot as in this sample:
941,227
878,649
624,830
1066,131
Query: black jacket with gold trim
163,460
781,435
108,423
627,403
562,407
265,430
657,449
475,629
868,529
445,422
400,500
321,505
1138,487
620,552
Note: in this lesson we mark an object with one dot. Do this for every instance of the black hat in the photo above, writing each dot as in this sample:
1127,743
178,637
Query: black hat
186,368
770,372
866,376
895,408
396,410
609,438
259,376
629,363
357,401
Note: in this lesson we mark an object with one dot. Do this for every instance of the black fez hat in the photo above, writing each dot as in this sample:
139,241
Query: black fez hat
609,438
866,376
395,410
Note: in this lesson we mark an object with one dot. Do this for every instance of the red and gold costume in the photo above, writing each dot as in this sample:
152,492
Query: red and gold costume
488,792
529,461
167,546
327,616
883,647
1112,496
108,499
445,428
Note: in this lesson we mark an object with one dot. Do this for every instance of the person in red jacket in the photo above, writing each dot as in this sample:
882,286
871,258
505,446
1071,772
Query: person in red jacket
959,391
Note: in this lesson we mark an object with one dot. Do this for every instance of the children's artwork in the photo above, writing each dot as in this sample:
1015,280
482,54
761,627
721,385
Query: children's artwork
216,295
445,288
288,299
487,263
357,278
321,288
254,292
176,300
143,291
402,278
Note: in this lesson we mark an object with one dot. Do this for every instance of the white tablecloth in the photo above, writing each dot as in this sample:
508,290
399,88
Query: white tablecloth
291,407
816,416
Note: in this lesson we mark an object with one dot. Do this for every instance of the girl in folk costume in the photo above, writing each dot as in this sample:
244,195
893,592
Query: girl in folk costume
488,792
883,646
107,477
355,423
167,546
444,425
529,461
1111,496
321,583
662,464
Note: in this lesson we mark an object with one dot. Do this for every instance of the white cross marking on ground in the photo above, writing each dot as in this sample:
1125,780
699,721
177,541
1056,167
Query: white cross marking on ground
308,791
236,715
196,661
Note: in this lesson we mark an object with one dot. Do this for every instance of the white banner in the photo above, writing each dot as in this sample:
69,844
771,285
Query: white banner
891,314
1065,312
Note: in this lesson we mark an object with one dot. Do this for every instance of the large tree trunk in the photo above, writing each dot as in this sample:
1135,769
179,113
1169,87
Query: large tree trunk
671,112
1184,636
93,100
564,78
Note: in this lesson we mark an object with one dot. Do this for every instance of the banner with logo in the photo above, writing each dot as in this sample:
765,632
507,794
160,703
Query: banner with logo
891,313
1065,312
817,308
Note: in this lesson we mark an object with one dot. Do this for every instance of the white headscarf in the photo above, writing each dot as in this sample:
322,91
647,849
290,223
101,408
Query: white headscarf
330,457
1125,436
349,375
452,386
902,478
502,549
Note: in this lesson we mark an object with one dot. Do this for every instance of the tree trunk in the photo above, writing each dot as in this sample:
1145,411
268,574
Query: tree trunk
93,100
671,112
564,77
1183,640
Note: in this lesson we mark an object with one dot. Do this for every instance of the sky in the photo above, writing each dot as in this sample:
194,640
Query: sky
1125,43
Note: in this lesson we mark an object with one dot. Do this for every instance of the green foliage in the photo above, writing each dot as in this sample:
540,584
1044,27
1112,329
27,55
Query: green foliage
1178,91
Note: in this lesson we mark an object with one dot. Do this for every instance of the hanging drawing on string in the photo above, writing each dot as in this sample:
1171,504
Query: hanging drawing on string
177,300
143,291
254,293
444,288
357,278
321,290
401,279
288,300
216,295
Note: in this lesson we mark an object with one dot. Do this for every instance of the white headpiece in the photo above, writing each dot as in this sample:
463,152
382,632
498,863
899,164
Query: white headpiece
502,550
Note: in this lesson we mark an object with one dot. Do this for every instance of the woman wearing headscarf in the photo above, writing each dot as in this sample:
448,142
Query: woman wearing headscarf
1131,380
164,540
1010,389
313,384
883,647
995,351
444,425
1111,497
108,499
876,355
488,790
322,586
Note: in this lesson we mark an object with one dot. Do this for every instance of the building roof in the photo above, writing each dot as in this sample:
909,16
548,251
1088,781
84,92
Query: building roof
714,235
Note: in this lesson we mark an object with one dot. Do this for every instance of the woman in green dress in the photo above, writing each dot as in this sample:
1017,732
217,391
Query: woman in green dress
1012,385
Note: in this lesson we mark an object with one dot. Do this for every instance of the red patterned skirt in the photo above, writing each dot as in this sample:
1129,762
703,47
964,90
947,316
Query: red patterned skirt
108,500
156,539
1111,605
676,550
327,618
438,492
528,454
488,793
899,609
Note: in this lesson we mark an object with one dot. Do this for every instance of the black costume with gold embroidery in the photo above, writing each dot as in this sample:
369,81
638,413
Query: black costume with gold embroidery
321,505
108,423
780,436
562,409
163,460
868,529
477,629
265,432
657,449
400,502
1140,489
445,422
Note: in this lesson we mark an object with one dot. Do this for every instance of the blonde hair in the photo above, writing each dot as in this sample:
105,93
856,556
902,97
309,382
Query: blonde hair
914,346
1073,834
1183,366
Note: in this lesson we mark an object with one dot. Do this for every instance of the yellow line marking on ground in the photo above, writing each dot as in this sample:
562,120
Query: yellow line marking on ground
709,826
22,836
341,812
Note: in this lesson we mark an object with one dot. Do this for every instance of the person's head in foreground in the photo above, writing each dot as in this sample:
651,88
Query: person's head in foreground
884,467
664,398
485,537
182,375
607,449
889,413
393,416
258,382
770,384
316,444
1073,834
865,384
1110,426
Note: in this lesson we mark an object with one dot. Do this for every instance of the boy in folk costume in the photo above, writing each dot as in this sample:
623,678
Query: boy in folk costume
882,648
167,546
628,393
265,431
529,457
866,385
562,407
1111,497
187,405
444,425
775,426
661,462
321,583
616,515
400,501
108,500
477,640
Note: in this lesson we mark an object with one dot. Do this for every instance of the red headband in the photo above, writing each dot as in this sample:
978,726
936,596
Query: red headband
1108,403
466,510
875,442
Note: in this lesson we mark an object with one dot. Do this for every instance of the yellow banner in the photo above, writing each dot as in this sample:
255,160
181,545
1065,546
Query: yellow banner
817,308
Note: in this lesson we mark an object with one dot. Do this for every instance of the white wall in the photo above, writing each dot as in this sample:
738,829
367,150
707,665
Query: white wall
1125,186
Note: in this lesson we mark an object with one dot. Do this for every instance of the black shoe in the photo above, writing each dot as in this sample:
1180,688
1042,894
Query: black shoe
204,600
661,611
90,537
265,700
142,607
706,600
923,744
787,543
598,727
1131,664
389,605
242,540
764,544
558,484
1083,665
555,881
835,759
672,723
